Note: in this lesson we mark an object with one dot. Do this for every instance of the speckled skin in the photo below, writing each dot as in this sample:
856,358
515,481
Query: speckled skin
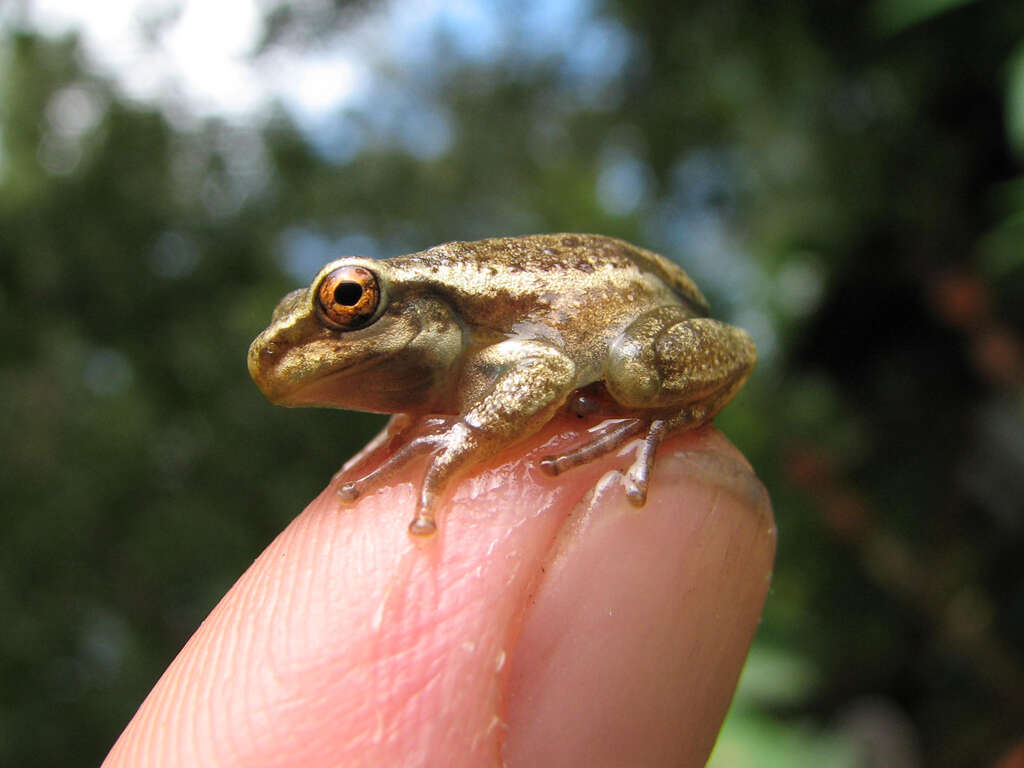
499,333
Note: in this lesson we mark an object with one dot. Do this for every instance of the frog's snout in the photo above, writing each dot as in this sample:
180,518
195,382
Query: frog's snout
262,357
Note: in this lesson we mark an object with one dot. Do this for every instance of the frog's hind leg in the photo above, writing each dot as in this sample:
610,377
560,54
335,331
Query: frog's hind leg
694,365
679,369
665,361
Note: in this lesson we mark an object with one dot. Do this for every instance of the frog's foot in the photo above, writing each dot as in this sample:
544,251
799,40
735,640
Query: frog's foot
637,478
639,474
350,490
608,438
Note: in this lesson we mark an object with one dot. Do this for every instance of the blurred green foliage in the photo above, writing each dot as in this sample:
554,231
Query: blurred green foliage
843,179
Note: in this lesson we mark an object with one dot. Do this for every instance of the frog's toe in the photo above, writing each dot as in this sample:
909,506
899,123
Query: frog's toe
613,433
349,491
555,465
636,489
637,479
422,526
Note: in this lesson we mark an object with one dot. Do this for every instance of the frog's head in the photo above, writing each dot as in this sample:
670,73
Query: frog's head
359,337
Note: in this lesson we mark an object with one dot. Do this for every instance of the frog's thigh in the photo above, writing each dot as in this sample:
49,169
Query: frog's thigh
666,360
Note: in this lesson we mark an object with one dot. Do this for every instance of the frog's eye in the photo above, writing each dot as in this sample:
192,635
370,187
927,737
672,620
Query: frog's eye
347,297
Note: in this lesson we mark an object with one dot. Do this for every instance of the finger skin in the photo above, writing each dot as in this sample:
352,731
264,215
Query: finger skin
542,625
633,647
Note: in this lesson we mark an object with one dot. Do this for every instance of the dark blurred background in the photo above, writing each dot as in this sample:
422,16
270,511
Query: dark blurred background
844,179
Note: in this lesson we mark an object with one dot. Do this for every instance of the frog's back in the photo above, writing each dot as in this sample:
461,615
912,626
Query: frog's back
506,267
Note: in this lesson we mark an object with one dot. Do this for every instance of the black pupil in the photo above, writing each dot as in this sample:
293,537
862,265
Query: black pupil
348,294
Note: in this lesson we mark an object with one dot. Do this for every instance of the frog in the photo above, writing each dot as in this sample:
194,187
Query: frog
474,346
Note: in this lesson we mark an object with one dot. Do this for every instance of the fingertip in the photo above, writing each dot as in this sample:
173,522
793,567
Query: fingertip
632,646
348,639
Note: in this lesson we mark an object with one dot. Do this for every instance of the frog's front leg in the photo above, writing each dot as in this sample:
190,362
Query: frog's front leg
397,426
512,389
432,435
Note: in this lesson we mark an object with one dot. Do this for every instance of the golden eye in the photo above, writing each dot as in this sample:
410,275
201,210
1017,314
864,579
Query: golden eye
348,297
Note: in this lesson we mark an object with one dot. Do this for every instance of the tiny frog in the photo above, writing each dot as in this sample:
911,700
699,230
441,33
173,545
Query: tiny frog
497,335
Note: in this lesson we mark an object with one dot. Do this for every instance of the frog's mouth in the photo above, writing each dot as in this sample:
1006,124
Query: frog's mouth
301,377
365,370
283,371
382,385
